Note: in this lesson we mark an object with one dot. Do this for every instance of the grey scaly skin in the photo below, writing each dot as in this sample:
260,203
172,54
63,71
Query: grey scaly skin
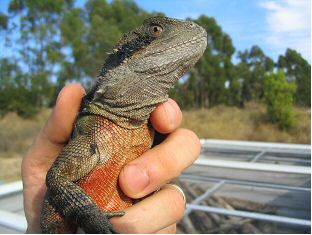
112,126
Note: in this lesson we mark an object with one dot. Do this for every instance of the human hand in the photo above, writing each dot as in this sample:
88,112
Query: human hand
156,213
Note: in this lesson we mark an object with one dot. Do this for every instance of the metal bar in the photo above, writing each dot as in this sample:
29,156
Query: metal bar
256,158
13,221
196,178
264,158
285,159
298,149
254,166
251,215
256,144
7,189
206,195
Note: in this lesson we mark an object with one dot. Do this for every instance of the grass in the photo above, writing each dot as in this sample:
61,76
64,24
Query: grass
16,136
250,123
221,122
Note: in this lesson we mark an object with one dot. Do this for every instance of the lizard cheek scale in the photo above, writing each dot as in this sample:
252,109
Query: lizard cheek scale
112,126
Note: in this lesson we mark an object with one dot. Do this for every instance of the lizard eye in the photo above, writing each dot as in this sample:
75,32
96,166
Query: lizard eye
156,30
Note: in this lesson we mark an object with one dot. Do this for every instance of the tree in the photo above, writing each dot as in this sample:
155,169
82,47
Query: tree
91,33
186,90
279,95
215,66
3,21
40,48
16,95
253,67
235,91
57,43
297,69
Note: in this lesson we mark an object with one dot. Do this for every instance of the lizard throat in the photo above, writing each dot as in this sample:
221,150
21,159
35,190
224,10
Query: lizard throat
129,117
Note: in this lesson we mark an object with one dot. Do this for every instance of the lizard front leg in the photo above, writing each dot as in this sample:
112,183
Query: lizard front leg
76,160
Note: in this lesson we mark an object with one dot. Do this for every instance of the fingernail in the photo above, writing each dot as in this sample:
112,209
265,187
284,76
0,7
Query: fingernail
137,178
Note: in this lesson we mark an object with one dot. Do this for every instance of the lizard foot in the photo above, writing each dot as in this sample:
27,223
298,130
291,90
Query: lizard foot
100,223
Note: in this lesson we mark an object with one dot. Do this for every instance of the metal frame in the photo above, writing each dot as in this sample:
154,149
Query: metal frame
198,178
195,204
11,188
257,146
251,215
8,219
254,166
13,221
260,149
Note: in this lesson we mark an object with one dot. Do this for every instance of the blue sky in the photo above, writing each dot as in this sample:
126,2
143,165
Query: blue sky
274,25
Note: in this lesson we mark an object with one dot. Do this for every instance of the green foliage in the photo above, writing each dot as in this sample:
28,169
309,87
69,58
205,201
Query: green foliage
235,92
59,43
279,99
3,21
253,67
186,93
299,70
214,68
16,96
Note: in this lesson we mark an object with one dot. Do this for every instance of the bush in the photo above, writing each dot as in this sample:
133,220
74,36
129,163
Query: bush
279,97
17,100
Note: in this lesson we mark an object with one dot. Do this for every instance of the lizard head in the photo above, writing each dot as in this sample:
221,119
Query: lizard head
146,63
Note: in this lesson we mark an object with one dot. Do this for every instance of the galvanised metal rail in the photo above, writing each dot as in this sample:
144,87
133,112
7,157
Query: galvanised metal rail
257,146
200,178
11,188
260,149
13,221
251,215
253,166
8,219
195,204
300,153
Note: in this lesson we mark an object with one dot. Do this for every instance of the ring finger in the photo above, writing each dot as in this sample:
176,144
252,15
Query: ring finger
154,213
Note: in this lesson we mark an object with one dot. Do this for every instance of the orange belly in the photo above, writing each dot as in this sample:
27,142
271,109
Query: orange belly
123,146
101,184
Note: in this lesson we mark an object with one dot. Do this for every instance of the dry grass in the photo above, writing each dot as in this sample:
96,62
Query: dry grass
250,123
16,134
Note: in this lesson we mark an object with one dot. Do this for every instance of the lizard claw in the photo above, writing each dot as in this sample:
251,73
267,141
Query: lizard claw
114,214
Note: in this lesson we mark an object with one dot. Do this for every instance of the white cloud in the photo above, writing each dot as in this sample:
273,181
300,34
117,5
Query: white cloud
289,25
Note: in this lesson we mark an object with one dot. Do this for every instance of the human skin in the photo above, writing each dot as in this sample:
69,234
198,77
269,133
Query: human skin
157,213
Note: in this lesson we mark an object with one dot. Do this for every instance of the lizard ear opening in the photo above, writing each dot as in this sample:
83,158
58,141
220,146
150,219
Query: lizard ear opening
98,94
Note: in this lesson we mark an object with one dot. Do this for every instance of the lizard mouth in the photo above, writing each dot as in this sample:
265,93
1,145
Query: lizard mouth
196,41
180,56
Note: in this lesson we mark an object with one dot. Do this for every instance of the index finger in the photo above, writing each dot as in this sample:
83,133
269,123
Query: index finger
167,117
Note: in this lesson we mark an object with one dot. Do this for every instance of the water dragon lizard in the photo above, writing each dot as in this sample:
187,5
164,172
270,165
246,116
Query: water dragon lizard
112,126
